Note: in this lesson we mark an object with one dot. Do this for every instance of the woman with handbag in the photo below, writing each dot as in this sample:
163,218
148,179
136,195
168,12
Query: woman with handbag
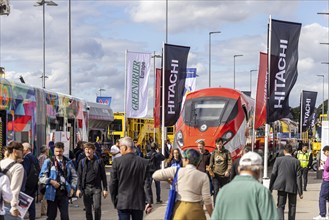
192,187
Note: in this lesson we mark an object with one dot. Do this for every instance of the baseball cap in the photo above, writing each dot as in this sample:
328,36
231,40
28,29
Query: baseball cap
251,159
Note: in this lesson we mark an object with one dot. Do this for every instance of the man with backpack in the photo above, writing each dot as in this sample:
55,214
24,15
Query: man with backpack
60,178
155,158
32,170
15,173
92,182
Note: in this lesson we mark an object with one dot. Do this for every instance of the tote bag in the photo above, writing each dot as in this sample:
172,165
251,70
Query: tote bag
171,198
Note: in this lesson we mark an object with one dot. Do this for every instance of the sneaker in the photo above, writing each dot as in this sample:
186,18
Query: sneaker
320,218
159,202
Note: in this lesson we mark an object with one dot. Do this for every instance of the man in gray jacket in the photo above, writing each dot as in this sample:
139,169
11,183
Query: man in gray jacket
286,179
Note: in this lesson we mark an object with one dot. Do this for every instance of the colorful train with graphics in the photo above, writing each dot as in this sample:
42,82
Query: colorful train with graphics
212,113
38,116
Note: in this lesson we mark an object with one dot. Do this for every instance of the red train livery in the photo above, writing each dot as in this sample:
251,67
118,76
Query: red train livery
212,113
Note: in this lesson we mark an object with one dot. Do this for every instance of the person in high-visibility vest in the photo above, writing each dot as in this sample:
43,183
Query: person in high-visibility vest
305,158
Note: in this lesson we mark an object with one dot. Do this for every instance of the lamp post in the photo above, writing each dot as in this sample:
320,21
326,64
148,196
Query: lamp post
322,93
328,91
251,80
100,92
210,33
238,55
70,63
43,3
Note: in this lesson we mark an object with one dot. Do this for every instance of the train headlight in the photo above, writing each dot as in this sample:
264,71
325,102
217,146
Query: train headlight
228,135
180,139
203,128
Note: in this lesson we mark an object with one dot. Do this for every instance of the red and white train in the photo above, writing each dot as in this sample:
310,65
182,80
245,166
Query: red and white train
212,113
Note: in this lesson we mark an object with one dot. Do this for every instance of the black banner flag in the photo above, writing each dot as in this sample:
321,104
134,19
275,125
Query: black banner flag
175,75
308,100
283,47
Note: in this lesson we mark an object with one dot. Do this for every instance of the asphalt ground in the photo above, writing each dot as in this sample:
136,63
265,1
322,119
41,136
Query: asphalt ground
307,208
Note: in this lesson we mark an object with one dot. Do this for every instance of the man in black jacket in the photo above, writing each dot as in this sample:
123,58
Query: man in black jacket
91,176
32,169
128,180
286,179
156,158
205,157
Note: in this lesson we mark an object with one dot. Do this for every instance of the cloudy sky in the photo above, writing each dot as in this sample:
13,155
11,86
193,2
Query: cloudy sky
103,29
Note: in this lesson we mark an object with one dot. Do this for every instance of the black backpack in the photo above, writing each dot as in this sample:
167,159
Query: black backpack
153,161
32,177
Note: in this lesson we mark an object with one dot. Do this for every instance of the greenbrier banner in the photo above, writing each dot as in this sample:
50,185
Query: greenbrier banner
138,71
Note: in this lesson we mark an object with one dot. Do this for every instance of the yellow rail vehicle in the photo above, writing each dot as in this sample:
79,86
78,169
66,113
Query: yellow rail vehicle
140,129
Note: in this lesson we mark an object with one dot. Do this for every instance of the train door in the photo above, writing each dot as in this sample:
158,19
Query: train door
71,129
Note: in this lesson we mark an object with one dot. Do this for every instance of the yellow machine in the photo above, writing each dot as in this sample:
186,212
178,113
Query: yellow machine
316,136
140,129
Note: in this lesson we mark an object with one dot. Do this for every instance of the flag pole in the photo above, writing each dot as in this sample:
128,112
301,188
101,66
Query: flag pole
301,116
267,126
254,119
163,135
125,95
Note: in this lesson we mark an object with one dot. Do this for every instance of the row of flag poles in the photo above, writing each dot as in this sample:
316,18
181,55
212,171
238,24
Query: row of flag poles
171,78
276,77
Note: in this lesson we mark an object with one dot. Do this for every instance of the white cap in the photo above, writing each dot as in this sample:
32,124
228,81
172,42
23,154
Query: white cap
251,159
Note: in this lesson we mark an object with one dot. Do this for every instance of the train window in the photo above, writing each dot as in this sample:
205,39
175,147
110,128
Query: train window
231,111
204,111
60,123
117,125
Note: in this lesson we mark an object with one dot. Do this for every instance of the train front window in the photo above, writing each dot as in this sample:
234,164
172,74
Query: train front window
204,111
209,110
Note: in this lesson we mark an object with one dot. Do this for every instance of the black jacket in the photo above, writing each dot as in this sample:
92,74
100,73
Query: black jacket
99,170
286,175
129,186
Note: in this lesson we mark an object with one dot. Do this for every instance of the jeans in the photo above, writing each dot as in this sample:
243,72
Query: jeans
292,202
92,197
324,196
218,182
62,203
124,214
31,209
304,173
157,188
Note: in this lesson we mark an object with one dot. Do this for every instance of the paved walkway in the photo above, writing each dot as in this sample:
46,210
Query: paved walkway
307,208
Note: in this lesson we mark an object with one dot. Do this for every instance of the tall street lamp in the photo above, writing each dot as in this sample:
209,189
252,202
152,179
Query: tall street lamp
238,55
210,33
70,63
100,92
322,93
328,90
43,3
251,79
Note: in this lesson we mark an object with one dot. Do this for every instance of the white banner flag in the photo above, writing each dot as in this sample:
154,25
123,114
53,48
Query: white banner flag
138,71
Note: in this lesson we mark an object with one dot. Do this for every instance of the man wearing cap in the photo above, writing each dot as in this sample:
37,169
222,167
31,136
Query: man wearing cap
286,179
244,192
91,177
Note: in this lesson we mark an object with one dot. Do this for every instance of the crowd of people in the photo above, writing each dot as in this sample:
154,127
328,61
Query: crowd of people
53,179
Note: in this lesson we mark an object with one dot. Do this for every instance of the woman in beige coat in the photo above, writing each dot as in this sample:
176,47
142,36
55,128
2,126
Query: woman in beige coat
192,187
